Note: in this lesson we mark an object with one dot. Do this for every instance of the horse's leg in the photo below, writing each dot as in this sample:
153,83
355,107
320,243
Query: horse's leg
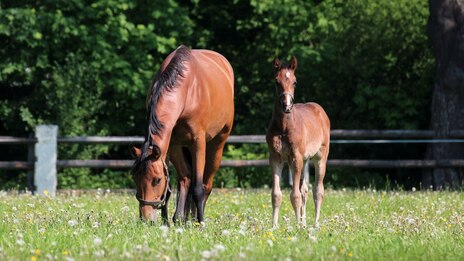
164,209
276,195
183,183
214,150
295,195
304,179
318,189
198,150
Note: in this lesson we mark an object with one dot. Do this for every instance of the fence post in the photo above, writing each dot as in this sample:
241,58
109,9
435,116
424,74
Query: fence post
46,156
30,172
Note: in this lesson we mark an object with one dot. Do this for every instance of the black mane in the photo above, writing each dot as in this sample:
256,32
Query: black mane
164,81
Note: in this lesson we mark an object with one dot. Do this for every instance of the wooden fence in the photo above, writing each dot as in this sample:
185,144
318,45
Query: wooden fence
48,153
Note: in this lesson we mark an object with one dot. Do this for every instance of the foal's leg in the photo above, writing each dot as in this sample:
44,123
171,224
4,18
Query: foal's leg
318,189
183,183
295,195
304,190
276,194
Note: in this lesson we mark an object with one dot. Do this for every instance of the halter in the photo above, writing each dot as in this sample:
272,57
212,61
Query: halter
291,96
159,203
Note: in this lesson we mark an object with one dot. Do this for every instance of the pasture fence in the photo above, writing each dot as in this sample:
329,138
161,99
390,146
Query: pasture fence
43,159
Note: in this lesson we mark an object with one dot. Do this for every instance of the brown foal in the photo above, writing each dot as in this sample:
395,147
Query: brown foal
296,133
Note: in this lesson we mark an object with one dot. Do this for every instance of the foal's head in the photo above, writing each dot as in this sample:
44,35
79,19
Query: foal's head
285,83
151,177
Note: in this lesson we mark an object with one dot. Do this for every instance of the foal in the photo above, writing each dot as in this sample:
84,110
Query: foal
296,133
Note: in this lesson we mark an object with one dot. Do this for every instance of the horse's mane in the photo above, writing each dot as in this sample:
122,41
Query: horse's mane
165,80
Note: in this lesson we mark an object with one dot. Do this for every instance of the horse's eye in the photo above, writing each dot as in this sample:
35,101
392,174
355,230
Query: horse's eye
156,181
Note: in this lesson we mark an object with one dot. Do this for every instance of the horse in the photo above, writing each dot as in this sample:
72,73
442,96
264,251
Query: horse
296,133
190,113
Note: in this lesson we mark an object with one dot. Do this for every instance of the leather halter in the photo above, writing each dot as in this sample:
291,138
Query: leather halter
158,204
284,94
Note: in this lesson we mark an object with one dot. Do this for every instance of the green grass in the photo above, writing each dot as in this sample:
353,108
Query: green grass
355,225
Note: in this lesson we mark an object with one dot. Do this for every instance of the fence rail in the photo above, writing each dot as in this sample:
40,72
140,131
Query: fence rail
49,136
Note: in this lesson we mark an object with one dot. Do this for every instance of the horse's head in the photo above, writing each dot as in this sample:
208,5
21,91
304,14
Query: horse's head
285,83
151,177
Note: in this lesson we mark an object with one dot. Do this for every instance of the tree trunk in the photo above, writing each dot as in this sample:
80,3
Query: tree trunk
446,32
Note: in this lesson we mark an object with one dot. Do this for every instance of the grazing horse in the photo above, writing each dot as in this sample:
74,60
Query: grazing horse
296,133
190,115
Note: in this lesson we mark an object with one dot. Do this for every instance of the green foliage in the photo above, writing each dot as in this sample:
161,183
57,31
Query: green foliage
86,66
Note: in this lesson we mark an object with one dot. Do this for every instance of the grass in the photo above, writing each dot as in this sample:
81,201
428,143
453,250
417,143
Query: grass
355,225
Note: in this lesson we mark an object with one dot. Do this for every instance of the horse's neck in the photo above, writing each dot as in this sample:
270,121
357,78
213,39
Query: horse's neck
282,121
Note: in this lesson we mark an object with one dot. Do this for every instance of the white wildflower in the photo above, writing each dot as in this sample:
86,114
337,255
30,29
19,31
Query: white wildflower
72,222
20,242
125,209
97,241
270,243
99,253
225,232
206,254
179,230
95,224
219,247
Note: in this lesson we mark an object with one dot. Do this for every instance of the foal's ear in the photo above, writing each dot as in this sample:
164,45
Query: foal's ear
135,152
277,64
155,152
293,63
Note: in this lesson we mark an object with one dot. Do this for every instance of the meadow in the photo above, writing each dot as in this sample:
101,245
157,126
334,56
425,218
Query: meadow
355,225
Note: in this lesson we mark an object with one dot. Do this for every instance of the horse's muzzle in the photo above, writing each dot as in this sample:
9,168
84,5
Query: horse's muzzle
286,100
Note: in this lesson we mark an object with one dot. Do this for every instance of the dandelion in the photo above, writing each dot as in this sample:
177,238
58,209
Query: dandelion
179,230
37,252
334,248
33,258
225,232
95,225
125,209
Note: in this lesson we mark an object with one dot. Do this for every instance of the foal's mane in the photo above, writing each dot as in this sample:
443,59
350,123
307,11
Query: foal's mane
165,80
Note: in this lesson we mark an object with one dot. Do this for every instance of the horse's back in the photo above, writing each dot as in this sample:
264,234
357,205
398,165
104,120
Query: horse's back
215,67
211,94
316,124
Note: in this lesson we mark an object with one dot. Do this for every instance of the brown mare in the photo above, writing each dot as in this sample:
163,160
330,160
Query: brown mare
296,133
190,115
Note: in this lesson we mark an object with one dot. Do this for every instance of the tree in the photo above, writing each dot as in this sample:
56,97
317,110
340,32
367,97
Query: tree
446,32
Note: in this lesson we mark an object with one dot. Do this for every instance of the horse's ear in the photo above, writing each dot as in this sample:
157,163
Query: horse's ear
293,63
277,64
155,153
135,152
